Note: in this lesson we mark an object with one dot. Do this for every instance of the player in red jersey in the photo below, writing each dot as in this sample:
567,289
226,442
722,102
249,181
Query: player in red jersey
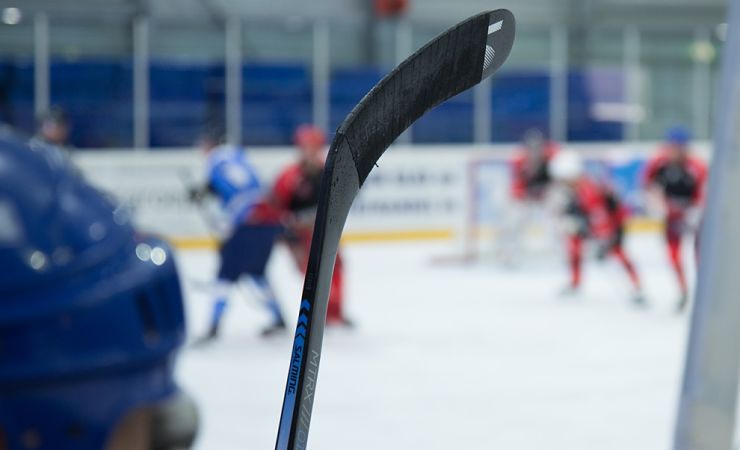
591,210
530,176
675,181
530,180
296,191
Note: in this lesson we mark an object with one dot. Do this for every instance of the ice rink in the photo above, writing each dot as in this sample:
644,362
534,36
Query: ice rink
451,356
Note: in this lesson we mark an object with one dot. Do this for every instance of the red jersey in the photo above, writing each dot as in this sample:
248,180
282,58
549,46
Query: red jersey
264,212
297,191
682,182
530,178
597,208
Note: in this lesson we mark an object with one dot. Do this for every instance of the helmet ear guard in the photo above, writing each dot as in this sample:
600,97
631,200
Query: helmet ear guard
91,316
174,423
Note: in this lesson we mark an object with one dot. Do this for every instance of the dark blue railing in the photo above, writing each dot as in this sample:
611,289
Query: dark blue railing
277,97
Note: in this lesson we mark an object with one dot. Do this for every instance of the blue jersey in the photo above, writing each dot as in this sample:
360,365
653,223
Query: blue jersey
234,180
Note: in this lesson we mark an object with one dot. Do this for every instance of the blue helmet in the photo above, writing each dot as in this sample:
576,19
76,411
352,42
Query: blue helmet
91,313
678,135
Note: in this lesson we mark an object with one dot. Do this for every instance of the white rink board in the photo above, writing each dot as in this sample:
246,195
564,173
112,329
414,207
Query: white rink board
419,189
415,190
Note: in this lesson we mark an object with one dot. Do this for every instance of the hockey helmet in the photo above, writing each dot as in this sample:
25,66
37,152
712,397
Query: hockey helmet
678,136
309,137
566,165
91,314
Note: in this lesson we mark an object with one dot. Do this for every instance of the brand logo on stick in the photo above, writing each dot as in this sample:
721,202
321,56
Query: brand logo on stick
490,52
494,27
312,370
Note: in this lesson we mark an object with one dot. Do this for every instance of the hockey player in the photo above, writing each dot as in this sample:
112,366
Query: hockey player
53,127
253,228
675,181
591,211
530,177
53,134
91,318
530,180
296,191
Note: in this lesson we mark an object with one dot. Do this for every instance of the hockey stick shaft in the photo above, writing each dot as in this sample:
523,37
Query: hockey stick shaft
208,220
451,63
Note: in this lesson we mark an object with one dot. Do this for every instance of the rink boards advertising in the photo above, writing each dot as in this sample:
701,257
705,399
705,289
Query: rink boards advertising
422,192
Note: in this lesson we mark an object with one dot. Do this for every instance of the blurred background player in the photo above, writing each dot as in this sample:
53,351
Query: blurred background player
530,176
252,228
530,180
91,318
296,191
53,134
54,127
674,181
591,211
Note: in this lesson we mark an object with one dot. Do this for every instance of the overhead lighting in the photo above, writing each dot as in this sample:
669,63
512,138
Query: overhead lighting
703,51
618,112
12,16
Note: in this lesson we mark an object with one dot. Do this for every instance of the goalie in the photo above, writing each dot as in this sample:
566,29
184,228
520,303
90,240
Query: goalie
530,182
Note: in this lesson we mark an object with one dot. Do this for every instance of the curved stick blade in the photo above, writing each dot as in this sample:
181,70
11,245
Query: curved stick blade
455,61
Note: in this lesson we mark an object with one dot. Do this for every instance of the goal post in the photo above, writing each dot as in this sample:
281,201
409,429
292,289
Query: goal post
496,225
707,408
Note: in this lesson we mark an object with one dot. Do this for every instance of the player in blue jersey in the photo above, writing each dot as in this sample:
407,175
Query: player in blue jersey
91,317
252,229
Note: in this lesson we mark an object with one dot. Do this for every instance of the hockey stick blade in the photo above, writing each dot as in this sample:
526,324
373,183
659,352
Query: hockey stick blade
453,62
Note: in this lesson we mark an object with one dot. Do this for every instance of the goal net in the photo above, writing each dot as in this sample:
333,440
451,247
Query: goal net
499,229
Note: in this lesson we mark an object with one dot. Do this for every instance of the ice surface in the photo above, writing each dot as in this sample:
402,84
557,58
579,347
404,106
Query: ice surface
451,357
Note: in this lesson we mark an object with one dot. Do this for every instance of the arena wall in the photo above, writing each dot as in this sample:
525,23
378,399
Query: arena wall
423,192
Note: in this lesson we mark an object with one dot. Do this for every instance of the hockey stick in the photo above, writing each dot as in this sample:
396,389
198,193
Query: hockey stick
210,222
455,61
